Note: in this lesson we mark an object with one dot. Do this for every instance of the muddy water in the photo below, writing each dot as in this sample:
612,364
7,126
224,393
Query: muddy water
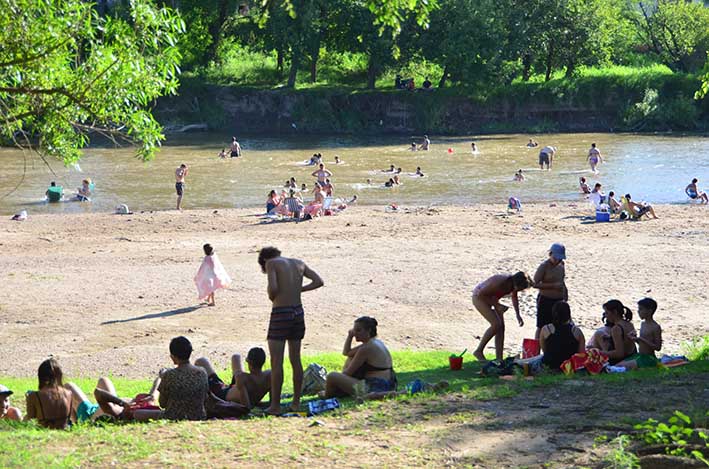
654,168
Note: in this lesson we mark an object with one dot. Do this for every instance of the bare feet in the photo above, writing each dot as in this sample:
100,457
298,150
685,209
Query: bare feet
479,356
211,304
275,411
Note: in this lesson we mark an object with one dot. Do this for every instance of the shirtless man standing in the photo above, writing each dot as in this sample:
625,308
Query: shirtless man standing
235,148
180,175
245,388
426,144
285,284
322,174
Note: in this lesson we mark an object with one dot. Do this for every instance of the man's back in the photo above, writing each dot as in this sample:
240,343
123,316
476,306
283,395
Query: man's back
289,277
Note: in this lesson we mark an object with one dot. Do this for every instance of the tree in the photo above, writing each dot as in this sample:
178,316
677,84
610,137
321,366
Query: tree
676,30
66,72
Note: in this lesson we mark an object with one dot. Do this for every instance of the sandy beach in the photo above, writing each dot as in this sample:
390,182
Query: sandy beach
105,293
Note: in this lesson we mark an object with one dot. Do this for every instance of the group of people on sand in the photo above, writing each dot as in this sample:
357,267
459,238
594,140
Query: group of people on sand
627,206
185,391
559,338
290,201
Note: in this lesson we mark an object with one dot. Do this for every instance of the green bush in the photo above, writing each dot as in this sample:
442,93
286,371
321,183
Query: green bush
697,349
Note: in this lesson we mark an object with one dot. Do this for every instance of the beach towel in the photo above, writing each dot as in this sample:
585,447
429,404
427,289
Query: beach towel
592,360
211,276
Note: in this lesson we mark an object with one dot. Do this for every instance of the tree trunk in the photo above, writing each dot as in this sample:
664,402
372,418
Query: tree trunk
442,82
293,69
570,68
314,64
549,62
371,73
215,30
527,66
279,62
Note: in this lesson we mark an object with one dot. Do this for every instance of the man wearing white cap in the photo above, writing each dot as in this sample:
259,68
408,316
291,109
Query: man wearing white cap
549,279
546,157
6,411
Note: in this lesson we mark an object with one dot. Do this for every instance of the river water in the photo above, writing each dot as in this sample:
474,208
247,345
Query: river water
654,168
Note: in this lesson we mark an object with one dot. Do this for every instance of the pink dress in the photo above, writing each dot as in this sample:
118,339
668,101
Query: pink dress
211,276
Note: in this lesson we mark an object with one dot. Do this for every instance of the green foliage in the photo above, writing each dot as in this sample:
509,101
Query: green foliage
654,113
620,457
65,71
697,349
675,435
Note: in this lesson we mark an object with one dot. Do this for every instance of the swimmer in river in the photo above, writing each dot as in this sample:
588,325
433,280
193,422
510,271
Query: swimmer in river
223,153
519,177
532,143
418,172
390,170
369,181
426,144
398,171
389,183
594,157
413,146
473,148
396,179
303,188
235,148
583,186
337,160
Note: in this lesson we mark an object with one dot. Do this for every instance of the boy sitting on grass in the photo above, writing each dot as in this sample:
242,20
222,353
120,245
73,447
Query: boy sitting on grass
650,340
7,412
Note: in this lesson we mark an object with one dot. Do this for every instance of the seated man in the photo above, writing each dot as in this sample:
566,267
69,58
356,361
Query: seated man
639,209
694,193
247,389
54,193
8,412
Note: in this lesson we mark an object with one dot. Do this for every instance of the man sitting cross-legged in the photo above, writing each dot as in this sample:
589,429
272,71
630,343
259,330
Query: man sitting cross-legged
245,388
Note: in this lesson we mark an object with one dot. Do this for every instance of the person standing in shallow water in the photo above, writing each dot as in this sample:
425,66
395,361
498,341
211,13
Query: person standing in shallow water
235,148
180,175
287,323
549,279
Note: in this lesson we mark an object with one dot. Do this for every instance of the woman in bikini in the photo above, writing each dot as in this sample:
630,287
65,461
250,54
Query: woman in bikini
486,299
621,344
368,371
51,405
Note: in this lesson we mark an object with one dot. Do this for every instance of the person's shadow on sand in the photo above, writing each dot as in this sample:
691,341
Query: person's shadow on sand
163,314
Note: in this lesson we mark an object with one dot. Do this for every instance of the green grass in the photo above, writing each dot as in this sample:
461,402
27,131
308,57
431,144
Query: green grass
267,440
697,349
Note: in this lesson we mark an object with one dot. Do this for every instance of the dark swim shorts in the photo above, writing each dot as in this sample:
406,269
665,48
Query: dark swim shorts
287,323
380,384
180,188
543,158
217,386
544,307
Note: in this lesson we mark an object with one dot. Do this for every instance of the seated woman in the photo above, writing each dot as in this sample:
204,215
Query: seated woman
621,344
369,364
84,192
640,209
561,339
614,205
272,202
51,405
314,207
7,411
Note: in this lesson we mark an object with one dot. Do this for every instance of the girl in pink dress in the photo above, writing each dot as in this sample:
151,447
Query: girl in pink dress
211,276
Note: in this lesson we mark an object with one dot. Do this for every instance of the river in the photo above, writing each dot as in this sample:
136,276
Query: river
655,168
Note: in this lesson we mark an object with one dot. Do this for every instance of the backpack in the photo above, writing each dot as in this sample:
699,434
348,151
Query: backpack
313,379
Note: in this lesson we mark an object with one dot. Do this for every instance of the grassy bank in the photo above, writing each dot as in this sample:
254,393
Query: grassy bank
409,431
615,98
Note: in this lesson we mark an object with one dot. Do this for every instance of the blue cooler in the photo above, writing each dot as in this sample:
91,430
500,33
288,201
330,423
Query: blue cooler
603,216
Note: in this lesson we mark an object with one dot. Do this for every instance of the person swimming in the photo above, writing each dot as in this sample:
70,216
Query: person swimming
418,172
337,160
519,177
413,146
532,143
474,148
391,169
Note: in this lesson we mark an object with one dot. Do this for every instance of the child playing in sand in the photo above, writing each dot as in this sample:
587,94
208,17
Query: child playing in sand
8,412
211,276
650,340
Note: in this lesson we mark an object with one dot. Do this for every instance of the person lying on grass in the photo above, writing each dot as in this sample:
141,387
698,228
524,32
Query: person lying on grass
246,388
7,412
650,340
368,372
622,344
109,405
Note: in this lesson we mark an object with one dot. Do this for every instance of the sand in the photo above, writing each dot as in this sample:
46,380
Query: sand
104,293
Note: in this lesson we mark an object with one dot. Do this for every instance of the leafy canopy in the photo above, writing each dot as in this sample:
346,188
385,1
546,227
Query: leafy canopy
67,72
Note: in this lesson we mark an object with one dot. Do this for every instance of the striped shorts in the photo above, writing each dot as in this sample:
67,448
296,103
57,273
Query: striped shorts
287,323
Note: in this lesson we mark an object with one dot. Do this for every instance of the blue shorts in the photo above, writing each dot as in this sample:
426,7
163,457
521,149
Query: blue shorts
85,411
380,384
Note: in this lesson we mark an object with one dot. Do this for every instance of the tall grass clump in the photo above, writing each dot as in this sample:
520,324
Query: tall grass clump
697,349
